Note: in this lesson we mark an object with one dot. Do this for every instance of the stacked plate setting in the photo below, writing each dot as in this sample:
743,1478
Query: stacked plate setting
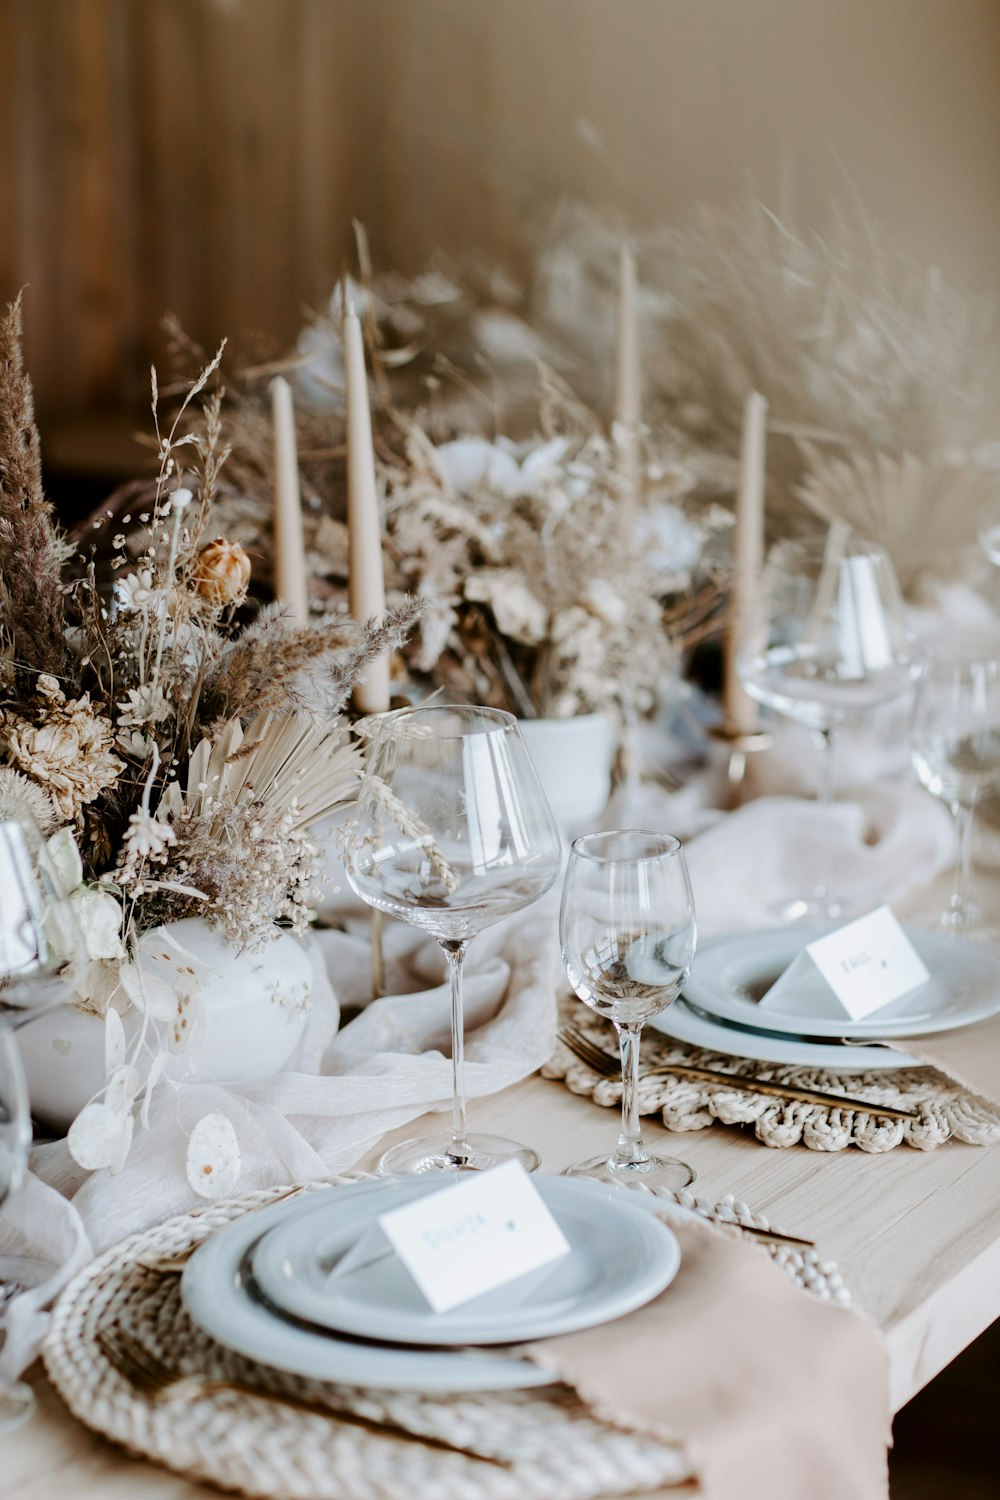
720,1008
264,1286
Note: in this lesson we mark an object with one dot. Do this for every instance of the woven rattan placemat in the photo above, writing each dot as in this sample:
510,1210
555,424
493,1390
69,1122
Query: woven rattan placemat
945,1111
518,1445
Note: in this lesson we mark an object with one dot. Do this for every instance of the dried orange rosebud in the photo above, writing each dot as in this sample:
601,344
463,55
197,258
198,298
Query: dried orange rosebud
223,572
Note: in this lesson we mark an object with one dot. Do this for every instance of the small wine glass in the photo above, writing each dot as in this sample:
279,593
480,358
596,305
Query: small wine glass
955,744
627,933
17,1401
831,645
452,833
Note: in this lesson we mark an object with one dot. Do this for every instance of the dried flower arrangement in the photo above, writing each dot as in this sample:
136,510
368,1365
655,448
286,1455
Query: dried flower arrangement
543,592
882,379
548,590
174,752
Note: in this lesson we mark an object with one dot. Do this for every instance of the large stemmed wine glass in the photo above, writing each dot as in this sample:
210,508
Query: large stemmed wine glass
452,833
955,744
831,645
627,933
17,1401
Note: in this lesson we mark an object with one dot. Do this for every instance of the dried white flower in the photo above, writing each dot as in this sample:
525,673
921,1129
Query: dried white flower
141,706
21,800
519,613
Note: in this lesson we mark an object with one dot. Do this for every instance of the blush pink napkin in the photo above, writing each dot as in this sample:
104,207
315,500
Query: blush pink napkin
773,1393
970,1055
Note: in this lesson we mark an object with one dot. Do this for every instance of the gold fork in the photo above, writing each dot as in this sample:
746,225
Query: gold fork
150,1376
602,1062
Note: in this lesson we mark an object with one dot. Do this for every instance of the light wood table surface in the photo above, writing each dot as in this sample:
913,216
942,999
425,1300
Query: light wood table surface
916,1234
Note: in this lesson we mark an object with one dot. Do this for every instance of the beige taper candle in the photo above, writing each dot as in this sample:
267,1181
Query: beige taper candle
366,579
628,378
742,714
290,582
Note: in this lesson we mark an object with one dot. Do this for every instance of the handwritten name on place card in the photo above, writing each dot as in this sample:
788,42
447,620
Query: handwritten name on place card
867,964
477,1235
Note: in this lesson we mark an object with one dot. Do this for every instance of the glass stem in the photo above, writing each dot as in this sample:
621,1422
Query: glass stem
455,953
630,1151
963,814
821,895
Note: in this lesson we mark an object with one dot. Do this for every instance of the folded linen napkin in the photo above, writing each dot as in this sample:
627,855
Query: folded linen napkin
871,850
774,1394
970,1055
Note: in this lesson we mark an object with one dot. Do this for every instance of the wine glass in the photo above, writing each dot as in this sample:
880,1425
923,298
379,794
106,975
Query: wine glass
829,646
17,1401
452,833
955,744
41,944
627,933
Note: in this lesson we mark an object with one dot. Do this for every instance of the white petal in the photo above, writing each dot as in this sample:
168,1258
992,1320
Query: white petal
100,1137
123,1085
114,1041
213,1157
148,993
65,860
100,920
187,1024
152,1079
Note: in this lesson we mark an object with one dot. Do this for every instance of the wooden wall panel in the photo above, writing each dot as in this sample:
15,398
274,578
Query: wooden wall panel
202,157
206,156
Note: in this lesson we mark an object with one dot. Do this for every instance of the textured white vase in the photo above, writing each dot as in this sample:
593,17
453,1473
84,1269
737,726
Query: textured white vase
255,1007
573,758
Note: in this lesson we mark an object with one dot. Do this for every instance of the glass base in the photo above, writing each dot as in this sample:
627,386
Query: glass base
818,910
17,1404
438,1154
653,1172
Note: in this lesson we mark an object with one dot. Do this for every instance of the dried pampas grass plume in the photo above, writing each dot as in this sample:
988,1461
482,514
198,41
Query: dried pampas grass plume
272,667
31,556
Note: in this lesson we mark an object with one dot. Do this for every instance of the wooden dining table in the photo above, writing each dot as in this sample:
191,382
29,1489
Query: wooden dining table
916,1235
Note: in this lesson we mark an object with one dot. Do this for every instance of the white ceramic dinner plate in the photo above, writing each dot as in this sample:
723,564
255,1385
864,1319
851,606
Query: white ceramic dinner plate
730,974
220,1295
733,1040
619,1258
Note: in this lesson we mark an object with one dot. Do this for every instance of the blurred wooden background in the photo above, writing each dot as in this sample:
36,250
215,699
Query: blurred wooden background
206,156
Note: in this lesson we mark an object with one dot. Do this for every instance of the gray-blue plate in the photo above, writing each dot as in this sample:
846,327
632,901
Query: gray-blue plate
729,973
220,1295
620,1258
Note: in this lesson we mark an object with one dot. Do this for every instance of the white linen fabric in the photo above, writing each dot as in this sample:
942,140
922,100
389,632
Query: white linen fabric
344,1091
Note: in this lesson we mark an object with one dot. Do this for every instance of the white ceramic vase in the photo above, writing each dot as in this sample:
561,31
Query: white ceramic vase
255,1007
573,758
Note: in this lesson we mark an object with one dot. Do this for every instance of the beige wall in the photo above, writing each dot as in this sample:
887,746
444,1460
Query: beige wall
644,106
206,155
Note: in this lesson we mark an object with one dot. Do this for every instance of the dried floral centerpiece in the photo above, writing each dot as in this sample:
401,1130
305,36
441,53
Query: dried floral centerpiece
174,751
547,590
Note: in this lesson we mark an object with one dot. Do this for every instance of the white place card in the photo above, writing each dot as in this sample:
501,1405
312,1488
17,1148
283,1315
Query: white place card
472,1237
861,967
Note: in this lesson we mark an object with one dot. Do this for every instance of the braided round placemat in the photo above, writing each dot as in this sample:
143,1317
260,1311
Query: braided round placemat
516,1445
945,1110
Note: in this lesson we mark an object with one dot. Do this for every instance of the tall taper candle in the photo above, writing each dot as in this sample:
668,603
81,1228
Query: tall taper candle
628,377
741,712
290,584
366,579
